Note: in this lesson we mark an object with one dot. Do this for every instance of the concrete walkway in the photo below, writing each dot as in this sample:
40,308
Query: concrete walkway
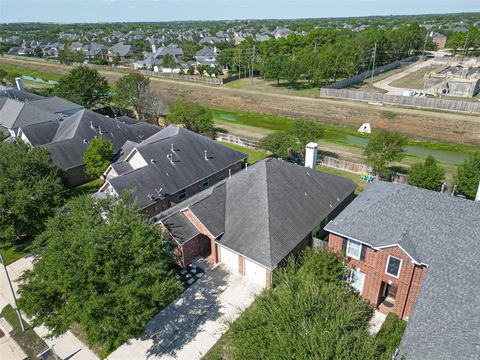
190,326
376,322
66,345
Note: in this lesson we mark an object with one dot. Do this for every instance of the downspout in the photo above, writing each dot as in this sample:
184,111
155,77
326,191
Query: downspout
408,291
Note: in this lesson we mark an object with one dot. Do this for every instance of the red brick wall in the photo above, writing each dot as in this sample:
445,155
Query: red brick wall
199,245
200,227
374,265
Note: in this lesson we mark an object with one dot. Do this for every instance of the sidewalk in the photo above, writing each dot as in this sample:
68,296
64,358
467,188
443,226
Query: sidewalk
66,345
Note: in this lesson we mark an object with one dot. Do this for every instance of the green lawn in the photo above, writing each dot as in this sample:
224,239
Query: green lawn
253,155
12,253
87,188
37,73
361,184
268,122
300,88
28,340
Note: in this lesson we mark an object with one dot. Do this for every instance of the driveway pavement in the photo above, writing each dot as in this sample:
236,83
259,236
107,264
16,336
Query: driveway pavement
190,326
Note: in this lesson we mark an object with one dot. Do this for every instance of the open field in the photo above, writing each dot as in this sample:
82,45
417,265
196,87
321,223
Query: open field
366,85
415,79
301,88
420,124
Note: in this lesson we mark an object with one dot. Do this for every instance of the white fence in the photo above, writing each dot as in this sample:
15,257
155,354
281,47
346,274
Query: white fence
232,139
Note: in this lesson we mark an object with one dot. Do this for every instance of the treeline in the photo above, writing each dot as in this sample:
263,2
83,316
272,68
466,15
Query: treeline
325,55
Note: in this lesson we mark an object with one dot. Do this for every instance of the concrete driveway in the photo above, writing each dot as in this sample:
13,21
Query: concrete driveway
191,325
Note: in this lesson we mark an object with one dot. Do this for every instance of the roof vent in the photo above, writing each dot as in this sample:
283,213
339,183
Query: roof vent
91,125
99,129
152,161
170,157
206,156
173,150
85,141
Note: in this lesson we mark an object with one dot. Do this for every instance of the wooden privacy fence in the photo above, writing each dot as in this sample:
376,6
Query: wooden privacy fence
413,101
366,74
357,168
232,139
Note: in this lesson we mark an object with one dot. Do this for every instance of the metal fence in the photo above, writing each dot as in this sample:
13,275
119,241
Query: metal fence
419,102
366,74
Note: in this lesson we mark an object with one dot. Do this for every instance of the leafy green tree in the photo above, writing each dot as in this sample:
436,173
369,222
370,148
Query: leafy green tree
115,60
383,148
67,56
31,188
427,175
85,86
191,70
272,67
292,70
98,156
191,115
129,89
301,318
291,143
169,61
100,266
38,52
468,176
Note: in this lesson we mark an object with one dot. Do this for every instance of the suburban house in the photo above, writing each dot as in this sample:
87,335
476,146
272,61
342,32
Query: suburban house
120,50
439,39
93,50
253,220
207,56
414,252
169,167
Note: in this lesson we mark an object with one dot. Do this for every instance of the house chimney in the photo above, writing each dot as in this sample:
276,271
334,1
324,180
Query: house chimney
19,83
311,155
477,198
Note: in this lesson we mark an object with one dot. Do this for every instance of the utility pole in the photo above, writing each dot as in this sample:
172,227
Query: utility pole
374,56
13,293
253,60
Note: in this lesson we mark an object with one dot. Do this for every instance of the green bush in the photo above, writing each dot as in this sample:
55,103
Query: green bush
389,337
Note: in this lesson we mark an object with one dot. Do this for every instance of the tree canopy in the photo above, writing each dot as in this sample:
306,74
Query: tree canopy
311,313
468,176
427,175
291,143
102,267
191,115
31,188
129,90
98,156
85,86
383,148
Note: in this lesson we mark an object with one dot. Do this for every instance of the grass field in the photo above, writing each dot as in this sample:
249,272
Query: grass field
28,340
12,253
413,80
253,155
366,85
35,70
301,88
87,188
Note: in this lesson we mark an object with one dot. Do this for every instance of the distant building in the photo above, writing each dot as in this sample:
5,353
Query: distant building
439,39
462,80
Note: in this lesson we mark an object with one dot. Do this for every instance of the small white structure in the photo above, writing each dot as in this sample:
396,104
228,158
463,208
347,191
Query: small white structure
365,129
19,82
311,155
408,93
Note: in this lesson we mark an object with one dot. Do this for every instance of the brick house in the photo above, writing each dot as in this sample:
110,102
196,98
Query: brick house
254,220
414,252
169,167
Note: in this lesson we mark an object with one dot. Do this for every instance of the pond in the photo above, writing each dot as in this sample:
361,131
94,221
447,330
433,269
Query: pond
38,80
421,152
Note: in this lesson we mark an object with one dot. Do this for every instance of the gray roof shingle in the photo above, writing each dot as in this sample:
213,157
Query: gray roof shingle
443,232
15,114
268,209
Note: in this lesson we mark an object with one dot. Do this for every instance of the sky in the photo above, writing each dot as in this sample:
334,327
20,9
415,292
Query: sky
163,10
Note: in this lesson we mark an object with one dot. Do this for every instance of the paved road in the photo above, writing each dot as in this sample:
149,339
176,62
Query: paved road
190,326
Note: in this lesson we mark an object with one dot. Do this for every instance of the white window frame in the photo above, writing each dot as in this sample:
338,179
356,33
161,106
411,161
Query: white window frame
348,247
399,267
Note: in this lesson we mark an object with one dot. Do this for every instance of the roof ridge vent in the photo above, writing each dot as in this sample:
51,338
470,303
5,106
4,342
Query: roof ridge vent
170,157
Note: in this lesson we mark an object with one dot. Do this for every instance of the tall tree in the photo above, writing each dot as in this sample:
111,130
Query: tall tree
100,266
98,156
169,61
191,115
31,188
85,86
129,89
383,148
468,176
427,175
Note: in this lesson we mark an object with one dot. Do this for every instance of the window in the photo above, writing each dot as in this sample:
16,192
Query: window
356,280
354,249
182,195
205,184
393,266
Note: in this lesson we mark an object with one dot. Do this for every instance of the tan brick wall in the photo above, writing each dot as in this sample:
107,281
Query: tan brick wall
408,284
241,264
268,279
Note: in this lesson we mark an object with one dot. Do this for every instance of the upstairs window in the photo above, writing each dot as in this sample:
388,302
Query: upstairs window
354,249
393,266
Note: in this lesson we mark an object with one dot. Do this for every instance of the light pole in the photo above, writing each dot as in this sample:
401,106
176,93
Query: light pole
13,293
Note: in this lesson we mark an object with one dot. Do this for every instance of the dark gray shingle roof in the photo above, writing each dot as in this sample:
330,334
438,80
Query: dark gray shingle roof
55,104
443,232
42,133
268,209
15,114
